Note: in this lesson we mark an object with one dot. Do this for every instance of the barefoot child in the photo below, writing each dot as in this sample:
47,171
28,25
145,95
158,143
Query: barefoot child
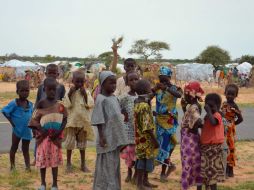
49,120
127,107
111,135
51,71
233,117
190,138
78,130
212,138
146,142
166,119
19,113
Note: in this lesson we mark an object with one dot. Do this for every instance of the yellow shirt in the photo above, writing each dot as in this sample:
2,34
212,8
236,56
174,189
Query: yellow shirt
79,112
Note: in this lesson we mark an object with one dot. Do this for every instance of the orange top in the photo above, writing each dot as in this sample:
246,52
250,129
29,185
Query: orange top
213,134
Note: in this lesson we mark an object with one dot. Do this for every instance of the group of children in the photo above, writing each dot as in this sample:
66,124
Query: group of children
127,128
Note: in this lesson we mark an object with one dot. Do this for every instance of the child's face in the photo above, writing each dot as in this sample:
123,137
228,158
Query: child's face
50,91
78,82
52,72
164,79
132,80
23,91
230,94
129,66
188,98
109,85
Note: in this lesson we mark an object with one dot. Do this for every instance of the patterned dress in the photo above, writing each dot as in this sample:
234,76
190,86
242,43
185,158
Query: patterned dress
127,105
143,122
48,152
230,115
166,123
190,149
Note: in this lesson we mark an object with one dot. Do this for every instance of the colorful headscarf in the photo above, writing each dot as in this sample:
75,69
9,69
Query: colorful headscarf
166,71
194,89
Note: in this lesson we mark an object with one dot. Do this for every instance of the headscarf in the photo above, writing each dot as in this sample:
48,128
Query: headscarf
194,89
104,75
166,71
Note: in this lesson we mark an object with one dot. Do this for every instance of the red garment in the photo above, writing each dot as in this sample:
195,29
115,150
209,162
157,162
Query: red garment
213,134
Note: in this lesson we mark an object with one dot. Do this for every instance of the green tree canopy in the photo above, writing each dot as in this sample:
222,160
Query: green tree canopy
247,58
146,49
214,55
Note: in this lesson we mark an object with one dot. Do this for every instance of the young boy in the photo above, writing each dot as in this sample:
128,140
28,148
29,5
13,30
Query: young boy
166,119
78,130
145,139
51,71
121,86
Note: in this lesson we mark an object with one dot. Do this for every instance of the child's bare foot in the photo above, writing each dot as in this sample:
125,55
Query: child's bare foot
12,169
127,179
85,169
171,168
148,184
68,168
163,178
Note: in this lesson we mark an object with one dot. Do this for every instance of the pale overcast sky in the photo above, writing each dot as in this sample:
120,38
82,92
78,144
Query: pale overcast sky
84,27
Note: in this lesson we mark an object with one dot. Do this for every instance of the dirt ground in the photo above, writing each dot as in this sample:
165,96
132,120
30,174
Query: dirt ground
243,180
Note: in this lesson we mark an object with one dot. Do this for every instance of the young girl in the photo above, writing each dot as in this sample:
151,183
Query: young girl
19,112
49,120
111,135
145,139
78,102
166,119
190,138
212,138
234,117
127,107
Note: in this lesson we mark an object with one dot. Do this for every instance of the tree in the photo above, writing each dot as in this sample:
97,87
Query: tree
247,58
214,55
107,58
147,49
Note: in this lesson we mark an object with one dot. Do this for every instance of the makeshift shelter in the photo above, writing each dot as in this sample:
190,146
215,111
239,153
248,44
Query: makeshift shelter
244,68
18,68
194,71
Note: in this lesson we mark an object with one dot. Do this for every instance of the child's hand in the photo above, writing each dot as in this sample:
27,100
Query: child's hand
161,86
83,93
126,116
102,142
71,91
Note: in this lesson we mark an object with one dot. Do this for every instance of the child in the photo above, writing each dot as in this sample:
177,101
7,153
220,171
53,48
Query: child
127,107
145,139
49,120
78,129
166,119
190,138
121,85
234,117
19,112
51,71
212,138
111,134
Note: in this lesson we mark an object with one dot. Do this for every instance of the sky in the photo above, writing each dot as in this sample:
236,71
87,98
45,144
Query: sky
85,27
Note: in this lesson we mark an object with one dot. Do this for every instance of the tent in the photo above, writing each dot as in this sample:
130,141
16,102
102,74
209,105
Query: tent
194,71
20,66
244,68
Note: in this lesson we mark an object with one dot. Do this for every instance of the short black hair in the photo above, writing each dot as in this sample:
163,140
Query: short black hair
127,75
78,73
21,83
234,86
49,81
51,66
216,98
142,86
129,60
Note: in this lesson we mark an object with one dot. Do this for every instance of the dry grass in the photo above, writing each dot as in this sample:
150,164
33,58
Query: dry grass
19,180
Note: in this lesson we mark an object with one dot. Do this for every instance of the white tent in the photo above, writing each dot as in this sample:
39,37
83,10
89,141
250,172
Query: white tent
194,71
20,66
244,68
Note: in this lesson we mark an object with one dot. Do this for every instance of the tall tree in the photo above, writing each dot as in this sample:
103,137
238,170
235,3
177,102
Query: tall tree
214,55
247,58
146,49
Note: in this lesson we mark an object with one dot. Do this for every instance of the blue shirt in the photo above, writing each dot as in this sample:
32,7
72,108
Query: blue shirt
20,117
